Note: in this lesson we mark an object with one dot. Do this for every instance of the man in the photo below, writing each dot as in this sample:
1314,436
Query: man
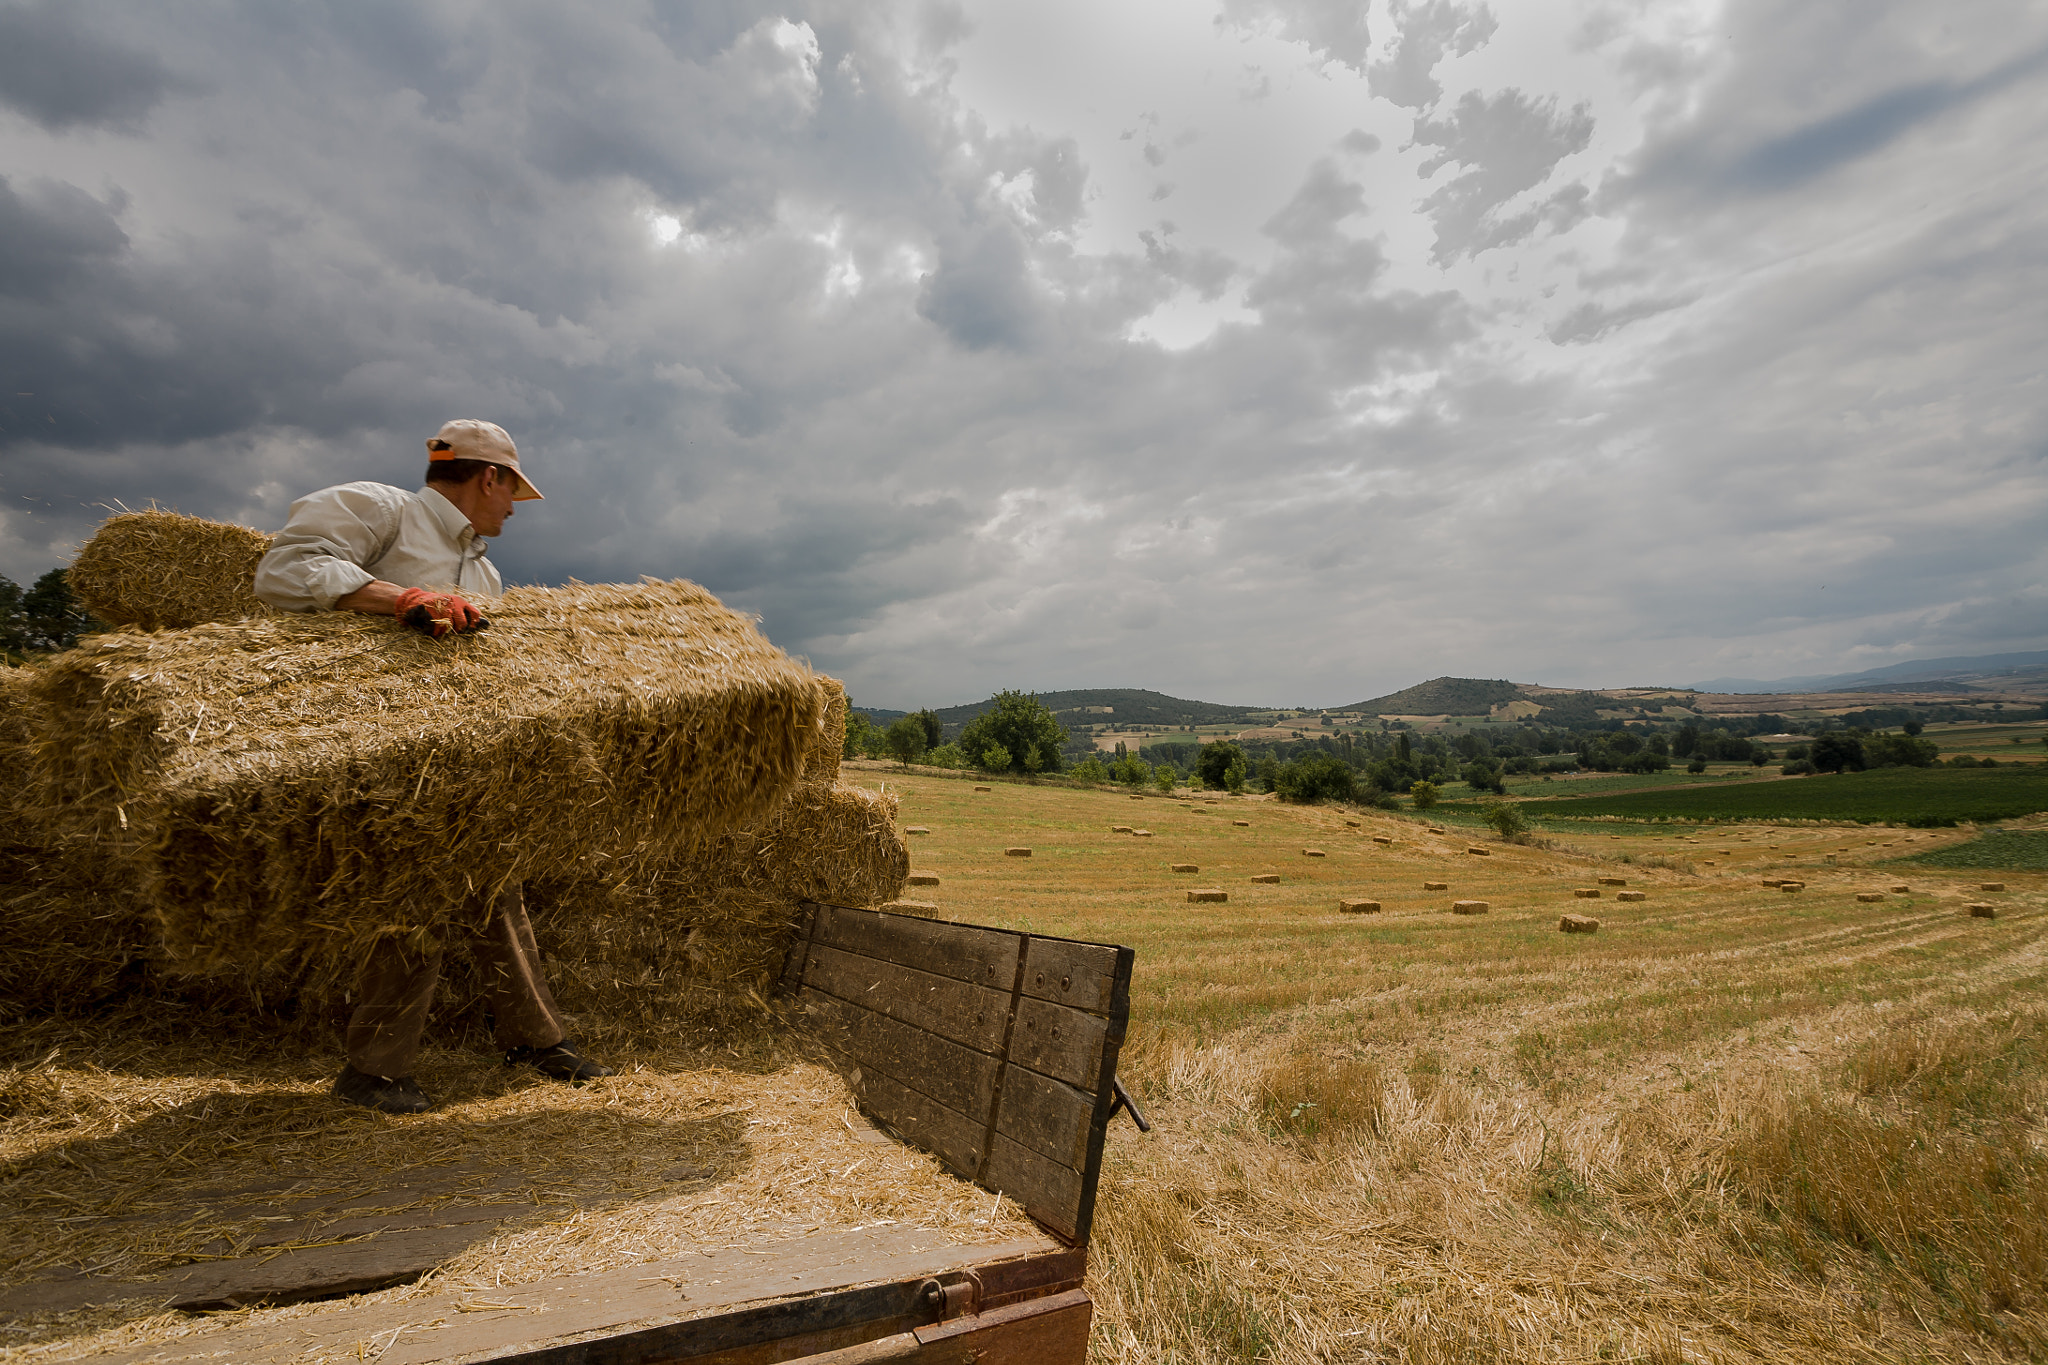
373,548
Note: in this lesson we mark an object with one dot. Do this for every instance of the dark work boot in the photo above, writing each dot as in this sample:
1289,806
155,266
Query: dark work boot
562,1061
391,1094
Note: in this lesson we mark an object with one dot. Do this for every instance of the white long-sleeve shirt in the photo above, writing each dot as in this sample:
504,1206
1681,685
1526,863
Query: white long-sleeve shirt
341,538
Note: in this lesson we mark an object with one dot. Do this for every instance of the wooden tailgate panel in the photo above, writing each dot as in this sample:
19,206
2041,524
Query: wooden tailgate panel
993,1050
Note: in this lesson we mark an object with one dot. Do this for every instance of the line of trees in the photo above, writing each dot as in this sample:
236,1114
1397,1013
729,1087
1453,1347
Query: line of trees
43,617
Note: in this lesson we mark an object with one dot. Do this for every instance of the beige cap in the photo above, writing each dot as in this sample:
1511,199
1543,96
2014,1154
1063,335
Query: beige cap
465,438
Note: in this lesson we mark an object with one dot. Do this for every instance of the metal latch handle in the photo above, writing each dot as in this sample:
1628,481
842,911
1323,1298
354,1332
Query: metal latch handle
1124,1101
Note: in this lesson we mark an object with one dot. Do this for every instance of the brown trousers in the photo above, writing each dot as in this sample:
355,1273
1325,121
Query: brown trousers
397,987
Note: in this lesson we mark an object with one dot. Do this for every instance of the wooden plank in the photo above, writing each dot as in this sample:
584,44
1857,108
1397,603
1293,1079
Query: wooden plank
1048,1331
799,949
1083,975
1048,1191
958,1077
952,1009
1047,1116
1062,1043
662,1310
947,1134
982,957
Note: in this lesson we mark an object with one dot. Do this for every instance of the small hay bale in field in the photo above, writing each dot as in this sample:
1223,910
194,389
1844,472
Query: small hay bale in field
922,879
1632,896
984,789
1469,907
1313,853
1266,879
1242,824
1208,894
1433,829
1381,839
166,571
1436,886
1901,889
1774,882
1137,796
1016,853
1578,924
1351,824
1870,897
284,783
1983,910
917,829
1791,886
1478,851
1991,886
1612,881
1586,893
925,908
1185,867
1141,834
1358,907
1119,829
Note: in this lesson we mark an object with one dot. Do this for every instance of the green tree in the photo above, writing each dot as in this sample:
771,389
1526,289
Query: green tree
1425,794
1505,817
1023,727
45,618
946,756
1215,761
1839,751
13,625
862,738
1484,775
1132,771
995,759
1233,777
929,723
1163,777
1319,777
905,740
1090,769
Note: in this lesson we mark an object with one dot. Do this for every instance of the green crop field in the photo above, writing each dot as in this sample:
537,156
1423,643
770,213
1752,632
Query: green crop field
1886,795
2017,850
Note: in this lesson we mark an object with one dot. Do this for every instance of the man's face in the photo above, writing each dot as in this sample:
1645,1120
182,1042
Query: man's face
495,488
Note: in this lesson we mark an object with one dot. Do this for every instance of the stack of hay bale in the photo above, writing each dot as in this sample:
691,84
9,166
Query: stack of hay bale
247,802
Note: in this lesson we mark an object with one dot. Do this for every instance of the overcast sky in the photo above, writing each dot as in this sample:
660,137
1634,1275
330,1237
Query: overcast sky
1261,351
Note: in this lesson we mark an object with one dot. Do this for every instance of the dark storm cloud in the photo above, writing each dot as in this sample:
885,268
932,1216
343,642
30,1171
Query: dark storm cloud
62,69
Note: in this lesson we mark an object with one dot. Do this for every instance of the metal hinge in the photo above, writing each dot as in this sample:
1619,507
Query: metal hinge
958,1298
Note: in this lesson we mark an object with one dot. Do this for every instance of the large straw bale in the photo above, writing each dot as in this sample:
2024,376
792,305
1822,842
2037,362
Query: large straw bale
159,570
290,782
826,743
689,938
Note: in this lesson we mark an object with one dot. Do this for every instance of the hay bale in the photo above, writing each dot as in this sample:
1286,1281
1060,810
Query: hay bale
159,570
1901,889
1358,907
917,829
1436,886
1137,796
1478,851
826,741
1469,907
1016,853
984,789
1313,853
1141,834
1434,829
1119,829
1869,897
1266,879
1578,924
1351,824
286,782
1381,839
1791,886
1586,893
1185,867
1983,910
1632,896
1242,824
1207,895
1612,881
1991,886
922,879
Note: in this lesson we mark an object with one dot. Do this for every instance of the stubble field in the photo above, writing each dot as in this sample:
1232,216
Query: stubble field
1734,1124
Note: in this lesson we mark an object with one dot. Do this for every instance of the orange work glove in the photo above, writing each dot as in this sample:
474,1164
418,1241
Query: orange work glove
437,613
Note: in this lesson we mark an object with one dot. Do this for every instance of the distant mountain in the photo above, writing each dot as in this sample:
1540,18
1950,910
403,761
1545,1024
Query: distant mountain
1441,697
2025,669
1125,706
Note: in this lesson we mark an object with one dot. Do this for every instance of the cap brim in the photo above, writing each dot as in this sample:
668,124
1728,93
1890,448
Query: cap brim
527,492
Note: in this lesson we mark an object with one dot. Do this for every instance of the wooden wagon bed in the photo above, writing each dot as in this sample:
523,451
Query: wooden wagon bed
992,1051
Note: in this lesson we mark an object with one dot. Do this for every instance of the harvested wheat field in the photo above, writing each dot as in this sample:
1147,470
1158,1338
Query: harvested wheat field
1733,1125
